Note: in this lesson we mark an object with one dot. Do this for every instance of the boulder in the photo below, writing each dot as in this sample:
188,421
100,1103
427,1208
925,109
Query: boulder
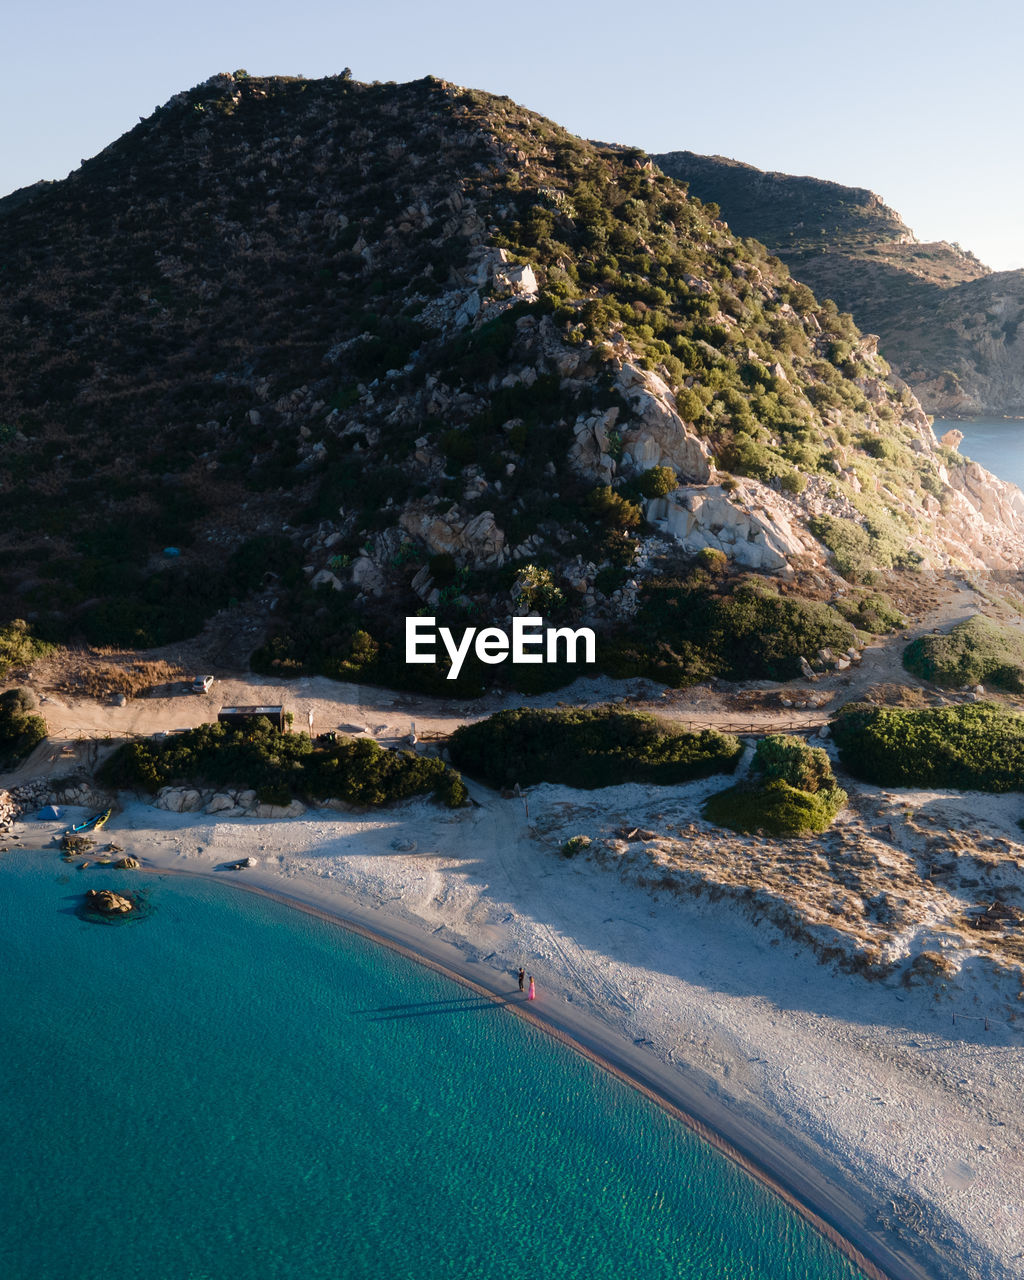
107,903
754,526
127,864
220,803
293,810
656,434
325,579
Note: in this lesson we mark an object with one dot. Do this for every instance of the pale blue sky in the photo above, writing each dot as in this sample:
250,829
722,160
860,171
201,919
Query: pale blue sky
919,100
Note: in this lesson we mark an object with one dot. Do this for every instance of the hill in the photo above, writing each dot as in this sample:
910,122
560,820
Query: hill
946,322
358,351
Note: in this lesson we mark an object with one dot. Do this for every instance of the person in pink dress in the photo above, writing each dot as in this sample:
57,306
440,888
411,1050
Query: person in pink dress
533,989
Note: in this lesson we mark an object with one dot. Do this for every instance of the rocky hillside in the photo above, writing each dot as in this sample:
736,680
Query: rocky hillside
947,323
368,350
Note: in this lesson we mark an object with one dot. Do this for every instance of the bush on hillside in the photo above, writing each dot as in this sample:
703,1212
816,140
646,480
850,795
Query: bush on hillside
587,748
978,746
280,766
872,612
20,730
975,651
687,631
18,647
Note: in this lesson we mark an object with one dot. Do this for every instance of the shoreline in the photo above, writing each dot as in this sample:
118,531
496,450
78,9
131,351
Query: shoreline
800,1189
896,1135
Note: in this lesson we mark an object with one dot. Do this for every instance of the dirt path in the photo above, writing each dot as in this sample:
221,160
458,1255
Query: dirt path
79,728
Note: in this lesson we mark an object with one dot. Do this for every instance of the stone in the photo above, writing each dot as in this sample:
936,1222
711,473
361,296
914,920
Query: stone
127,864
324,578
293,810
108,903
656,434
220,803
753,526
806,669
952,439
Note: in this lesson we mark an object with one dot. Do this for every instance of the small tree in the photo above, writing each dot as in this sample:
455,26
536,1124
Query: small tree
657,482
782,756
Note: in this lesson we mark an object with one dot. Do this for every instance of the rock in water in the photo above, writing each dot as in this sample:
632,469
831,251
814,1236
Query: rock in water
127,864
108,903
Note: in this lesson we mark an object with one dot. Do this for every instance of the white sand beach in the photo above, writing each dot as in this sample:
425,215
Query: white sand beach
863,1098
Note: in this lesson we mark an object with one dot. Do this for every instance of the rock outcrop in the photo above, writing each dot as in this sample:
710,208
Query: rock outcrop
754,526
107,903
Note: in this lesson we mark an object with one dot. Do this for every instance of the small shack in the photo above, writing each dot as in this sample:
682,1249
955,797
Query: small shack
241,716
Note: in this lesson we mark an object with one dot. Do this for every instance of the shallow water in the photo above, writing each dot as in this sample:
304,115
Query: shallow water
996,443
231,1088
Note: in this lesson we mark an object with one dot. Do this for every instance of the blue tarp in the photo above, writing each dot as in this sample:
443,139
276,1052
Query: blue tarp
48,813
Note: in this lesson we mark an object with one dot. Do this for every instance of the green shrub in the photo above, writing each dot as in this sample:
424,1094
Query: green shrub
977,746
783,756
597,747
775,808
535,588
613,509
687,631
975,651
280,765
712,560
872,612
575,845
20,730
18,647
657,482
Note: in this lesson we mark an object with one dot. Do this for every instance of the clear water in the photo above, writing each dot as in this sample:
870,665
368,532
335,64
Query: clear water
996,443
231,1089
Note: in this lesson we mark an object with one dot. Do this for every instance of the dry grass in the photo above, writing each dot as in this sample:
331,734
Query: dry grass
879,891
83,675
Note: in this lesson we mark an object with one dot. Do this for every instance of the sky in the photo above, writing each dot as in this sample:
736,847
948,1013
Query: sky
919,100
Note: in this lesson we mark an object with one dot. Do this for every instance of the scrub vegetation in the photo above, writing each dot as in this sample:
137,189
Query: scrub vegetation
975,651
282,766
791,792
20,730
973,747
587,748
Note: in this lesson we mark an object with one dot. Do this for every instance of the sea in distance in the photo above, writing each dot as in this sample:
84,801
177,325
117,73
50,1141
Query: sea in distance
997,443
228,1087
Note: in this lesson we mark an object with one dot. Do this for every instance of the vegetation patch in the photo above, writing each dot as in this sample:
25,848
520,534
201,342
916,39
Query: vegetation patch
20,730
689,629
18,647
598,747
976,747
279,766
975,651
792,792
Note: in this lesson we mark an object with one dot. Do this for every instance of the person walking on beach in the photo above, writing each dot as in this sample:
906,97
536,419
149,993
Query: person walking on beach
522,975
533,989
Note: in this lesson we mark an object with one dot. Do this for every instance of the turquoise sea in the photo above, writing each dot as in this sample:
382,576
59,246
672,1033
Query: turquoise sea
998,444
229,1089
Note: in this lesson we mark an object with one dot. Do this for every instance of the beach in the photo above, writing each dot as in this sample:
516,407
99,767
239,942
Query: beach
861,1099
892,1109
